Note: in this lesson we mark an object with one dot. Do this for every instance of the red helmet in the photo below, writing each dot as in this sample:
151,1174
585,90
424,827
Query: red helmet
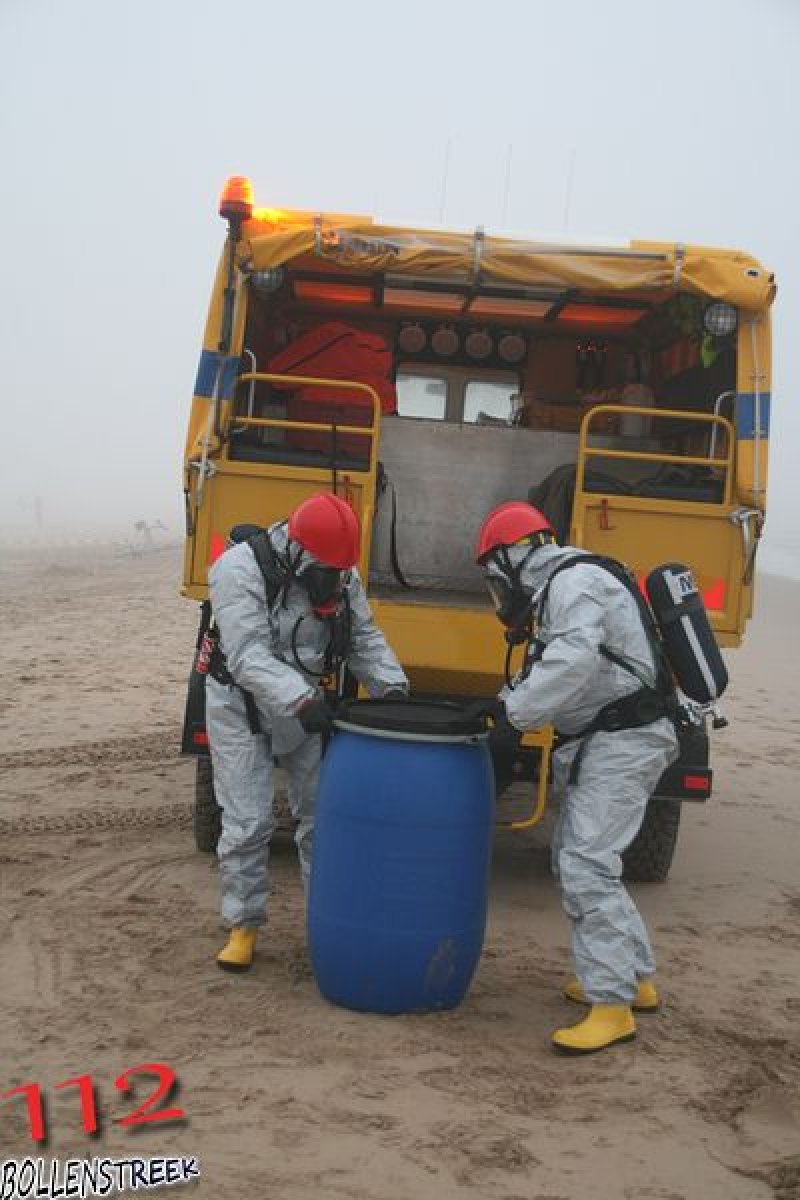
509,524
326,526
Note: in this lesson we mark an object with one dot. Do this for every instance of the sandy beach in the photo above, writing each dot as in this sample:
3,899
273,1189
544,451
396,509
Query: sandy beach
109,924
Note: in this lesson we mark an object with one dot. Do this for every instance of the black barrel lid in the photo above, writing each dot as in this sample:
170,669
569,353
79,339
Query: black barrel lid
435,718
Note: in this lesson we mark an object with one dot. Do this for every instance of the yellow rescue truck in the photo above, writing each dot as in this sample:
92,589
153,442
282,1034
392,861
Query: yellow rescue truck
427,376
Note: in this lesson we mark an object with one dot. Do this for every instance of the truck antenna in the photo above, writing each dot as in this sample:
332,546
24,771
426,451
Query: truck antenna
568,189
445,173
507,188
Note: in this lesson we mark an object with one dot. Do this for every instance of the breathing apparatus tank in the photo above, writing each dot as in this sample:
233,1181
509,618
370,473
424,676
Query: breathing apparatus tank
686,633
680,635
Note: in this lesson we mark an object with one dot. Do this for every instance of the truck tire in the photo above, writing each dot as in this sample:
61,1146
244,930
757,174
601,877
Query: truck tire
649,856
207,816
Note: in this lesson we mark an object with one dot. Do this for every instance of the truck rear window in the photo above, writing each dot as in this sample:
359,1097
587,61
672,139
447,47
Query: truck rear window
484,398
421,396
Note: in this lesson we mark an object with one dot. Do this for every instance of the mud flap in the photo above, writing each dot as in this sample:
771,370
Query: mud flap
195,737
691,777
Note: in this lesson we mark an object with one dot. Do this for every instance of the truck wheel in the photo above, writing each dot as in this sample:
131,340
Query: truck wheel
207,816
649,856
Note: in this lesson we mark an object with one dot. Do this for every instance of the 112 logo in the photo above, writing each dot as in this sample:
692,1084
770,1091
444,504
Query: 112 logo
153,1108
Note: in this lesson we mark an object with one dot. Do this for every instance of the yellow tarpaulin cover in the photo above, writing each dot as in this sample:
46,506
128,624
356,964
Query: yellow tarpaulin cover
357,245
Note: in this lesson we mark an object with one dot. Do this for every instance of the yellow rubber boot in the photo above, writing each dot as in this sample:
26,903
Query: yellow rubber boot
605,1025
237,955
646,999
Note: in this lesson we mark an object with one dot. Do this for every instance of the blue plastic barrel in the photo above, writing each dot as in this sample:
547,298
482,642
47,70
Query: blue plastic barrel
402,849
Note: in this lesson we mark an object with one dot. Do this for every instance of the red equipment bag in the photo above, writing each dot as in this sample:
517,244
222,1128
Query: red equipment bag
336,351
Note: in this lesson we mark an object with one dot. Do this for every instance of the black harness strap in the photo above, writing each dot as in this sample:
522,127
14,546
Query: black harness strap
252,711
273,572
648,703
218,670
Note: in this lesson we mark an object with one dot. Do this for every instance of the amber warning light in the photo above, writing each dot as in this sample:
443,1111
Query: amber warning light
236,199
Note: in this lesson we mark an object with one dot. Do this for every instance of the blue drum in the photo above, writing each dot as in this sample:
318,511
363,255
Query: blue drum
402,849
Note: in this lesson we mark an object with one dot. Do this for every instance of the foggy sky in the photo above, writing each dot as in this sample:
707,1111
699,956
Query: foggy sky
119,122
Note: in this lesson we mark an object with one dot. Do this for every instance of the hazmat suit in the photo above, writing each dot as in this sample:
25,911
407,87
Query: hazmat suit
605,779
275,651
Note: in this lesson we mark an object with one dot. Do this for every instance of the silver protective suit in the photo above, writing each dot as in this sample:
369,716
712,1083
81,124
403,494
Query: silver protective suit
603,801
257,642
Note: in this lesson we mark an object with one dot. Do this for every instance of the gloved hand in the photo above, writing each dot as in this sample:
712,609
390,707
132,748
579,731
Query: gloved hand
495,709
503,737
314,715
395,693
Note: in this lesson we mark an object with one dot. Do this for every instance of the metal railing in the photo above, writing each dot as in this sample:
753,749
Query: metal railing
371,431
711,459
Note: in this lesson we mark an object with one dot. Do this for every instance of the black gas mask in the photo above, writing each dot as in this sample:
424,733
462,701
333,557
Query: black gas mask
325,587
512,604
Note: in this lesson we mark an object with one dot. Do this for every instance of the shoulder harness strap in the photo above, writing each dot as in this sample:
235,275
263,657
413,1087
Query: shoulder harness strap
268,564
624,576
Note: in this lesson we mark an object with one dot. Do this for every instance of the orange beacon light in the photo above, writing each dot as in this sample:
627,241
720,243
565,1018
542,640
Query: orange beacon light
236,199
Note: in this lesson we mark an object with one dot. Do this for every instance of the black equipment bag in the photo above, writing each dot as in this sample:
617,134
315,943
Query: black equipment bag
685,630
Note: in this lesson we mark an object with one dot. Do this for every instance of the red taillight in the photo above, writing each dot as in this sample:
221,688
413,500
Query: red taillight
697,783
200,738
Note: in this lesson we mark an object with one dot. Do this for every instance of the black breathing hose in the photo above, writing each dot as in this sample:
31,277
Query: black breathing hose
507,668
337,649
523,637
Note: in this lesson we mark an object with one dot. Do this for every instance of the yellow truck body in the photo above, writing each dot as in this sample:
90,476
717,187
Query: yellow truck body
668,465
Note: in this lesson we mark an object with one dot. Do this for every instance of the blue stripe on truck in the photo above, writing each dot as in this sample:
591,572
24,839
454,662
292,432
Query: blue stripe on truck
746,415
207,371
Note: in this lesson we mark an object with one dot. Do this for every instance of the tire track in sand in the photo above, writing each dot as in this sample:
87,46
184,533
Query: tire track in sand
161,746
